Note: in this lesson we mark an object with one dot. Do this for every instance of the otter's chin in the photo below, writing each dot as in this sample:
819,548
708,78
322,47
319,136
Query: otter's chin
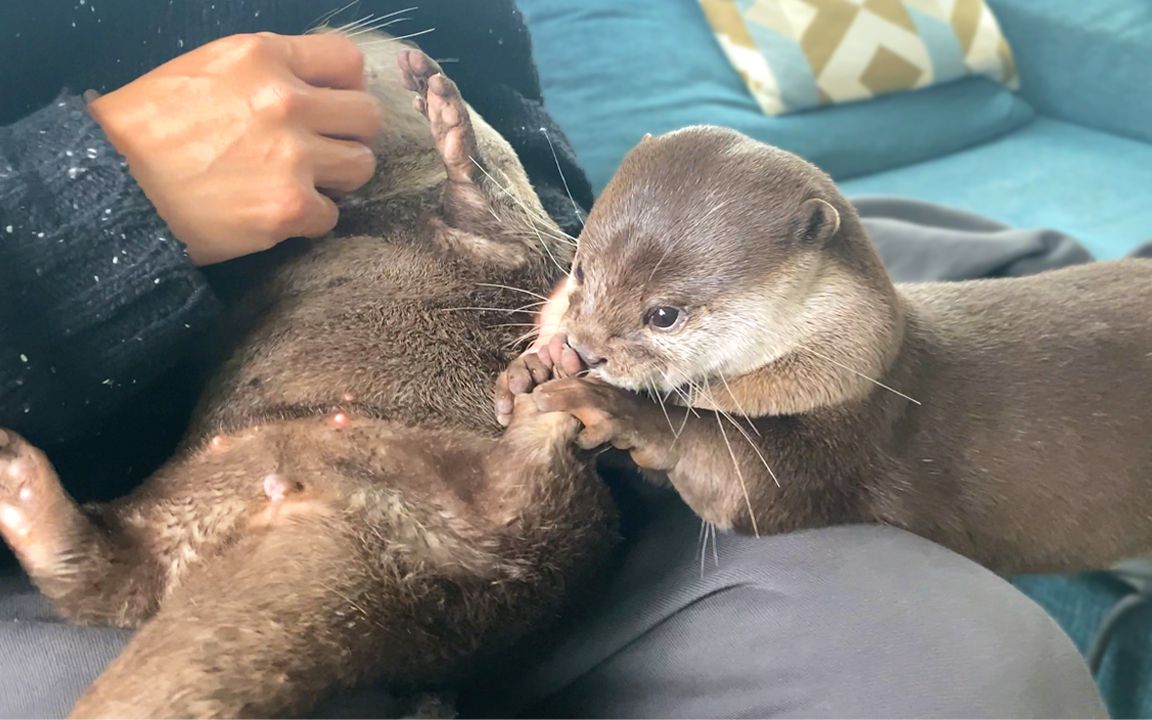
639,380
625,381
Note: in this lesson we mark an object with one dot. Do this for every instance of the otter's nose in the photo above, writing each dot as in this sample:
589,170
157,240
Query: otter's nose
590,359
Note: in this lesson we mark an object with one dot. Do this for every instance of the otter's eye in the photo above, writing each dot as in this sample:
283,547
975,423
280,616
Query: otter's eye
578,273
665,317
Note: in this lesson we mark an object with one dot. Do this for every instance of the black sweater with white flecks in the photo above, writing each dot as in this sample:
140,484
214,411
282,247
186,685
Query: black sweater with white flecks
98,302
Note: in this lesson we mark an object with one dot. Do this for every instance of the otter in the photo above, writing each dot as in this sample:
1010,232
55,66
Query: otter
740,338
343,508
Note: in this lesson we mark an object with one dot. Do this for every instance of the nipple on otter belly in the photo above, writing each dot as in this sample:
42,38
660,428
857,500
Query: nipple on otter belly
276,487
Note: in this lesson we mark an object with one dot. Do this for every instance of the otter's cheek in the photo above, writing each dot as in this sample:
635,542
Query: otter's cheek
550,316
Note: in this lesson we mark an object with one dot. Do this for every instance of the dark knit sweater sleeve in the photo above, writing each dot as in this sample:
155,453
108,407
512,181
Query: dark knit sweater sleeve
96,297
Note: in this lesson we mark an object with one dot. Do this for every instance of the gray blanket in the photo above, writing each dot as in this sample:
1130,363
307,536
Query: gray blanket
923,242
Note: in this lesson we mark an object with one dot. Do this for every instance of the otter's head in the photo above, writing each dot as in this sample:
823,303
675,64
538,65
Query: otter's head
706,257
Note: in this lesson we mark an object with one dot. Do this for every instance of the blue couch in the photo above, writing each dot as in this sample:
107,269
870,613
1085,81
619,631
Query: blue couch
1072,150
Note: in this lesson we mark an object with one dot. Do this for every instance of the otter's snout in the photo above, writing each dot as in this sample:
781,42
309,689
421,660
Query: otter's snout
590,358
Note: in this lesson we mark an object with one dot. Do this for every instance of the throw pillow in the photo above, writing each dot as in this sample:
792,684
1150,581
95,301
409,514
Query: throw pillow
800,54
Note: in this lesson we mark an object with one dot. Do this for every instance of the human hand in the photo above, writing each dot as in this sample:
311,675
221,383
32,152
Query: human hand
232,142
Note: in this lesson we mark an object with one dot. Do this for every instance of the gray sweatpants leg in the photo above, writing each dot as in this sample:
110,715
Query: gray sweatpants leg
845,622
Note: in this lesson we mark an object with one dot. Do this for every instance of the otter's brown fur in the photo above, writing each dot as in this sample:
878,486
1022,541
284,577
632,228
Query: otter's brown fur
344,508
1006,419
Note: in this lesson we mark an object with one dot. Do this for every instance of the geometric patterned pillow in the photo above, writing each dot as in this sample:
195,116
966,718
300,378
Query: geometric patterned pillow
800,54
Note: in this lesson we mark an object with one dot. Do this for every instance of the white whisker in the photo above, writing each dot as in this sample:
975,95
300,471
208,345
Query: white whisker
357,24
378,26
512,195
660,402
409,36
353,23
688,410
711,400
327,17
526,336
522,308
556,159
394,13
743,413
516,289
740,475
551,230
861,375
702,541
756,450
677,388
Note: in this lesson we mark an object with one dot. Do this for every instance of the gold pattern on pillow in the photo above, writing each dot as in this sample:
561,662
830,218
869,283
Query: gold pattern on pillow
799,54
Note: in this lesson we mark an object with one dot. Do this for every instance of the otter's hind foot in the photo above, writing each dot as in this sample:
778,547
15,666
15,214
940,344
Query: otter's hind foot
489,211
439,100
36,516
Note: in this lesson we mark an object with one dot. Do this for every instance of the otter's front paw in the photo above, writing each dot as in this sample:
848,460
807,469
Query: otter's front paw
543,362
609,415
522,375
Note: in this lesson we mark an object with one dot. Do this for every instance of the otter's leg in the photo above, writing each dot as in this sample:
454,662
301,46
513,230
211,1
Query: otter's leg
490,209
319,597
112,563
264,630
86,570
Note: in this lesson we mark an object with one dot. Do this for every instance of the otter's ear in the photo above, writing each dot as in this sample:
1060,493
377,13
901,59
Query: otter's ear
646,138
816,222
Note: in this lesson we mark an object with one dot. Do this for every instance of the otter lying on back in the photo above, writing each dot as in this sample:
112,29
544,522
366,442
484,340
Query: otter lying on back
343,509
1010,420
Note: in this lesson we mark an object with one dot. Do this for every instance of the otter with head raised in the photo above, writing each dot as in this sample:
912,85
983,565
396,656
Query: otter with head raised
344,508
741,336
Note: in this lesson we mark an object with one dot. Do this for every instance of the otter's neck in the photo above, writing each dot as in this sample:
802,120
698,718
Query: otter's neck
846,339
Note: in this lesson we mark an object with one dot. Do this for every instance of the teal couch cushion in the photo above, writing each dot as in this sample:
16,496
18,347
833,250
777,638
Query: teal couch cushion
1080,604
1086,61
613,71
1051,174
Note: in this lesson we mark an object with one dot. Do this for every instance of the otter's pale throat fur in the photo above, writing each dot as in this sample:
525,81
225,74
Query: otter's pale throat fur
344,508
1009,420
